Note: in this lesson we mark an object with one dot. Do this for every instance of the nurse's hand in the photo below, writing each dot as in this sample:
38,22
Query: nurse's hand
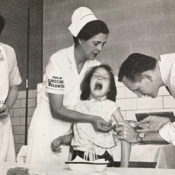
100,124
152,123
4,110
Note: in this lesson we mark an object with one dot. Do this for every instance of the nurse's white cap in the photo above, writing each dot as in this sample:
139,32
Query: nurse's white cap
80,18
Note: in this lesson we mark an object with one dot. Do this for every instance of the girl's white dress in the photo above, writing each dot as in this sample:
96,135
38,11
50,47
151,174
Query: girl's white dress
85,136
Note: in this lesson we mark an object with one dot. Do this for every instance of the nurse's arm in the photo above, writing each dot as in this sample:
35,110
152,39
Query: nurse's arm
60,112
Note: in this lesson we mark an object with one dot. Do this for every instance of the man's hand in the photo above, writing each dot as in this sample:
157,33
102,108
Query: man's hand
4,110
152,123
126,132
101,125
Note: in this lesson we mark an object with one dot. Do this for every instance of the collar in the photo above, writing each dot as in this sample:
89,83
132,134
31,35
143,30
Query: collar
93,100
165,64
71,57
72,62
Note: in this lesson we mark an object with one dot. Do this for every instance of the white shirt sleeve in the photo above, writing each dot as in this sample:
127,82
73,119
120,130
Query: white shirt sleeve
55,75
167,132
14,75
172,78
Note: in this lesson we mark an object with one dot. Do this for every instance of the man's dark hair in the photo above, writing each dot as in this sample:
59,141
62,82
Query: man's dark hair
85,85
91,29
2,23
135,65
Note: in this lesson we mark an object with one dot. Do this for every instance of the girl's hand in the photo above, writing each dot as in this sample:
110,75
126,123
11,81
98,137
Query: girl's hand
100,124
55,145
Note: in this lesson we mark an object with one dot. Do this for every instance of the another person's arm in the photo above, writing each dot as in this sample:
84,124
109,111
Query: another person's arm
151,137
167,132
11,99
127,133
152,123
12,96
62,113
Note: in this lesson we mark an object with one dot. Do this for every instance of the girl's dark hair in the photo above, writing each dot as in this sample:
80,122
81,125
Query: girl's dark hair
91,29
2,23
85,85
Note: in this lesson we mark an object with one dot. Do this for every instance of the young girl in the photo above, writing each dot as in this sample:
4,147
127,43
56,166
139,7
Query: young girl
97,98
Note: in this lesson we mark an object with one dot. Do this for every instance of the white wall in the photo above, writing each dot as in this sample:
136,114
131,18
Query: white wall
145,26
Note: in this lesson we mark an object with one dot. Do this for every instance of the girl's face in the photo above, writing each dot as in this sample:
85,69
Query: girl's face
99,84
93,46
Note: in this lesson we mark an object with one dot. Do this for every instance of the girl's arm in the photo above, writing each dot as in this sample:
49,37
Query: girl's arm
117,115
62,140
125,146
125,153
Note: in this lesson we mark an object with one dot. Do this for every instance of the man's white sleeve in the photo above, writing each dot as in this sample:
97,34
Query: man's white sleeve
167,132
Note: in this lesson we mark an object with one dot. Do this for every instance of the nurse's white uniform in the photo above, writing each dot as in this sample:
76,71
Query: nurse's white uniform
61,77
9,76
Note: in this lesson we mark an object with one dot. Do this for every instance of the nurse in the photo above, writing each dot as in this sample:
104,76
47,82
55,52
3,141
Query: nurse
61,88
9,80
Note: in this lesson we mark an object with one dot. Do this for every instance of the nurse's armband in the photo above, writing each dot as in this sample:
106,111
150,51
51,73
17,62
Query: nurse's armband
55,84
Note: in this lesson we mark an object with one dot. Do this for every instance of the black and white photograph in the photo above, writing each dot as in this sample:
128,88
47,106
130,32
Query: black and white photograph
87,87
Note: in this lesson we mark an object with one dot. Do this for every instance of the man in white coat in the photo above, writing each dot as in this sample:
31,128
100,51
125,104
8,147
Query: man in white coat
144,75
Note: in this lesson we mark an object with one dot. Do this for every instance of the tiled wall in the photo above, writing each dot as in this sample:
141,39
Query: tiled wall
128,102
18,116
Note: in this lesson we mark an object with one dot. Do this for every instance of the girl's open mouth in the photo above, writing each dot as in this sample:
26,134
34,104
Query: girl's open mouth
98,86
